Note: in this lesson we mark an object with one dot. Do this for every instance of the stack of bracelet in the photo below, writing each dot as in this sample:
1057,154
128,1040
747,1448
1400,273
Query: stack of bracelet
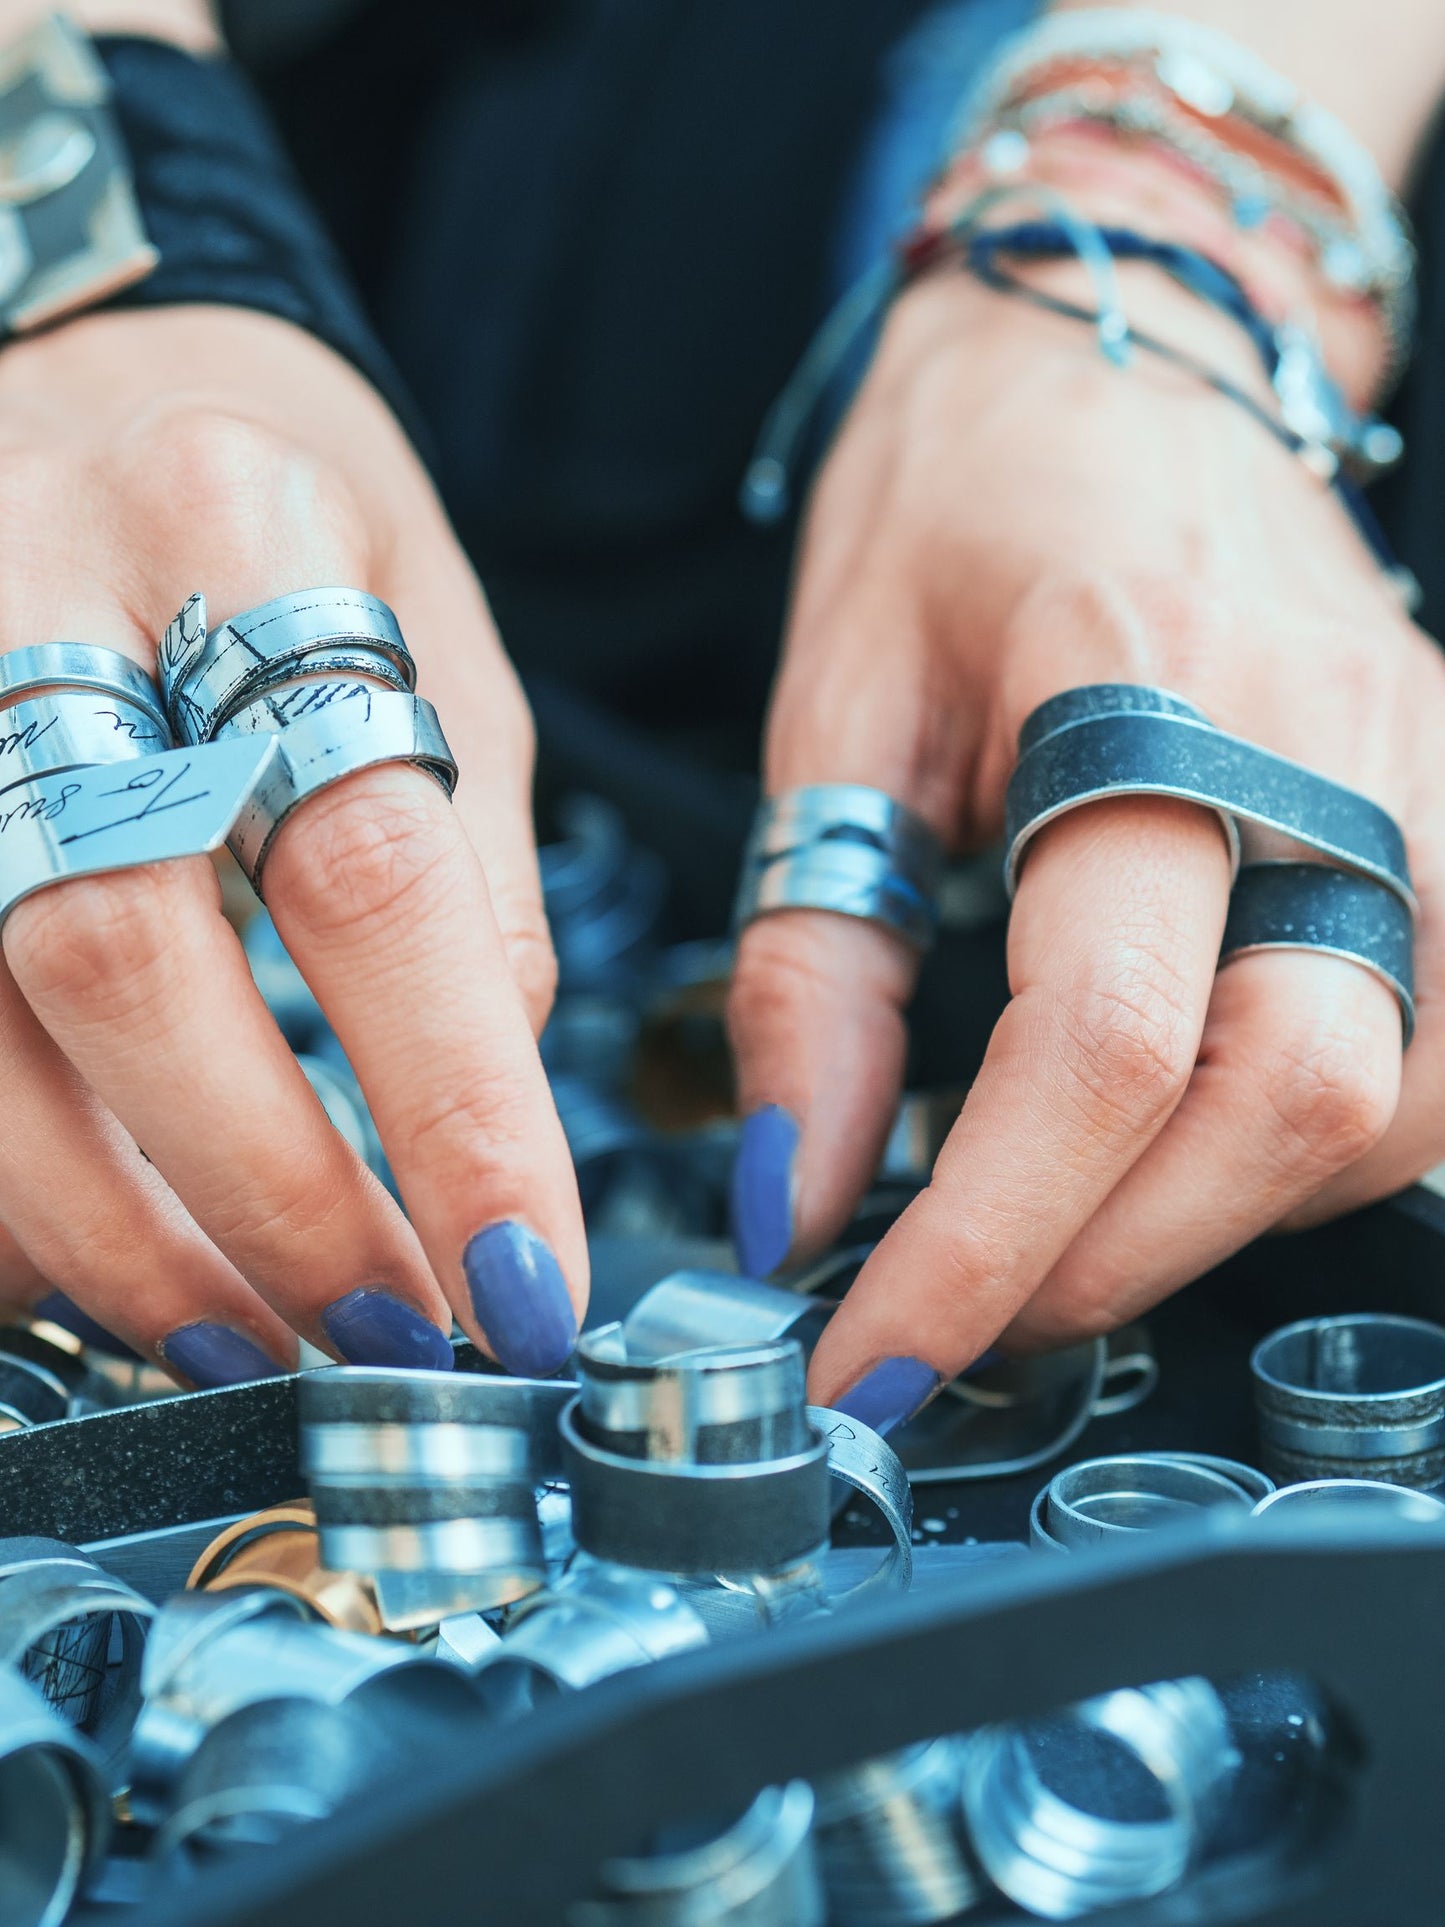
71,705
1273,169
328,672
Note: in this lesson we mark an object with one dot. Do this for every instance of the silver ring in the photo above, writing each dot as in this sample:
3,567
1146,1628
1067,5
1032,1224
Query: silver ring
381,726
79,665
88,822
1314,906
861,1459
1120,739
206,673
74,729
846,848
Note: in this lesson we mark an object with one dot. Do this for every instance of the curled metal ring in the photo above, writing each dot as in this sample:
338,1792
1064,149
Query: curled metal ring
1122,739
48,666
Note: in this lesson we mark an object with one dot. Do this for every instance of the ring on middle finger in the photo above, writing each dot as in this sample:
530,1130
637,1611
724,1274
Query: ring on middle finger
327,673
209,674
1326,866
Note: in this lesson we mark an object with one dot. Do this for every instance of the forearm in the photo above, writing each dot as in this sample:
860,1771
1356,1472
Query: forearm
189,23
1380,68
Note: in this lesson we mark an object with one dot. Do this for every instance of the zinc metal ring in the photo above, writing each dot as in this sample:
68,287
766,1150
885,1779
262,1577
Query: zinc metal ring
1120,739
311,683
46,666
1088,1504
845,848
74,729
1313,906
313,754
861,1459
206,672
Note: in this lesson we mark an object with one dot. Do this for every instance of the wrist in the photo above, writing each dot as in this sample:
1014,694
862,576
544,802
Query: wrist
1126,185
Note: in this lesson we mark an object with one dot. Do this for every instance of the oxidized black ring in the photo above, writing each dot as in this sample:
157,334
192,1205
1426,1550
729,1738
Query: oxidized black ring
1313,906
1351,898
1120,739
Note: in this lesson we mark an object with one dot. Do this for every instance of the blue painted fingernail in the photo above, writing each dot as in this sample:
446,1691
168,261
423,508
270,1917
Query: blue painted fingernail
59,1310
371,1327
890,1394
762,1190
521,1299
211,1355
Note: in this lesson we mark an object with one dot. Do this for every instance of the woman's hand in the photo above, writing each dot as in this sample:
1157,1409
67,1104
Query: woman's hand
1006,516
163,1159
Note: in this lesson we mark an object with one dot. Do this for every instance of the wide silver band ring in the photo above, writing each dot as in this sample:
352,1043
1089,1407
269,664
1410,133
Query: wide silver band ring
74,729
377,726
206,674
1121,739
49,666
848,849
867,1463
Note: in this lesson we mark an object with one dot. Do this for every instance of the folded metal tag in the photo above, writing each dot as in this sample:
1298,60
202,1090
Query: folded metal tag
85,822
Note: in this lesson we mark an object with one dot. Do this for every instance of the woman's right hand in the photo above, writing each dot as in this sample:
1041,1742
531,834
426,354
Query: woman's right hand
163,1160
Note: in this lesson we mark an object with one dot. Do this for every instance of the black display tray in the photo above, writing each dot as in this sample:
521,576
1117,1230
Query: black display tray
510,1824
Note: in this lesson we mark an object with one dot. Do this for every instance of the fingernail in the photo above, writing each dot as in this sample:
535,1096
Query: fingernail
59,1310
762,1190
890,1394
371,1327
211,1355
521,1299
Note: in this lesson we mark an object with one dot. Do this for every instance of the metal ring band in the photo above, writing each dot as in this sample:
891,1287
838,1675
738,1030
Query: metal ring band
847,813
387,727
668,1517
74,729
849,880
202,682
88,822
1313,906
847,848
303,687
49,666
1141,742
863,1460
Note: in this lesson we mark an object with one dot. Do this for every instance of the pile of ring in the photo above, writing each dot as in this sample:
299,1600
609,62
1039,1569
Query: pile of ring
326,672
1316,866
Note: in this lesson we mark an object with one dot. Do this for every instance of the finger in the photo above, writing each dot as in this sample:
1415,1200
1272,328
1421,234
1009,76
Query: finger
1112,948
1297,1080
815,1009
104,1228
21,1284
1415,1140
480,702
381,900
144,986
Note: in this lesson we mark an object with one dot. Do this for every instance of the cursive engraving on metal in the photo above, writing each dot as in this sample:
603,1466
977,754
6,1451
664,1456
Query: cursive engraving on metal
867,1463
88,822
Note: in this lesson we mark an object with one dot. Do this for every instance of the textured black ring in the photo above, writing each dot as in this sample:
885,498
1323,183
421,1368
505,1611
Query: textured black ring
1313,906
1119,739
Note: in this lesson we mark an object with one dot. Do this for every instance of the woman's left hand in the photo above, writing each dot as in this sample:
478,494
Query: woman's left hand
1005,516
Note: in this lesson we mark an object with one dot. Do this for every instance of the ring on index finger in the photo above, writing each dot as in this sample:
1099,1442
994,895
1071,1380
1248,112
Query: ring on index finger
1317,866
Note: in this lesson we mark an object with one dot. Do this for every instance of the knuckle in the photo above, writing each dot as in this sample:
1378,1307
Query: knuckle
1128,1044
533,964
234,476
99,940
483,1119
361,860
1333,1096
